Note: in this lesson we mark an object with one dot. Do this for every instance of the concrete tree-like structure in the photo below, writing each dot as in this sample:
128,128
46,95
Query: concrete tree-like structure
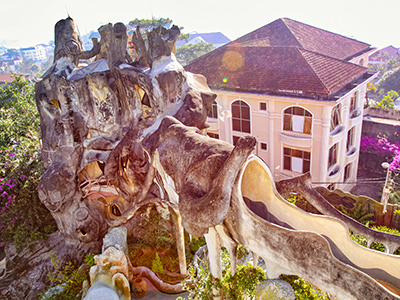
122,133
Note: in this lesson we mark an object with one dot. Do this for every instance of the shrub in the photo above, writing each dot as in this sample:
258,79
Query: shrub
387,101
357,214
303,289
66,279
152,230
23,218
238,287
157,265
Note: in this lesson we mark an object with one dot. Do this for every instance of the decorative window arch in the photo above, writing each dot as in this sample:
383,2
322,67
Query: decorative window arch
347,172
297,119
336,117
333,153
240,116
350,139
354,109
213,113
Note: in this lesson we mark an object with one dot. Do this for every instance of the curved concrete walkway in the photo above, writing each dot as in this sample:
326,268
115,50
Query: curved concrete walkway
257,186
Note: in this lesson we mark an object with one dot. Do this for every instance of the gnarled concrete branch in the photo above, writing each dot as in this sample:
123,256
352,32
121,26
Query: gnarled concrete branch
302,185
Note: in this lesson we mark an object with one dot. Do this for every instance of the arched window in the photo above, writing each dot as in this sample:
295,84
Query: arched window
297,119
332,159
336,118
347,172
240,116
354,110
213,113
350,140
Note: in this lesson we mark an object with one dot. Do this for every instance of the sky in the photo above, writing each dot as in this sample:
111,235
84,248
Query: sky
26,23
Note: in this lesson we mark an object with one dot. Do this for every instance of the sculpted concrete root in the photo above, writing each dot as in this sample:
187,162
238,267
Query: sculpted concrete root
303,186
202,169
93,122
309,245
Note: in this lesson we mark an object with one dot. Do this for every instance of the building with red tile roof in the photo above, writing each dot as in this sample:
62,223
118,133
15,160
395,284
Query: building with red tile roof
4,78
299,90
381,56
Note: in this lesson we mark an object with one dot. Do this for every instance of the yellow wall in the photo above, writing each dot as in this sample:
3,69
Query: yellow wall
267,127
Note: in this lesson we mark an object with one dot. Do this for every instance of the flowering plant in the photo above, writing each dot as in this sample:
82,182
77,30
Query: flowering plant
384,147
23,218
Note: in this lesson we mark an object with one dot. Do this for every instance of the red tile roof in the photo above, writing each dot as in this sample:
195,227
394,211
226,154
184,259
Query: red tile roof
284,56
385,54
6,78
275,69
287,32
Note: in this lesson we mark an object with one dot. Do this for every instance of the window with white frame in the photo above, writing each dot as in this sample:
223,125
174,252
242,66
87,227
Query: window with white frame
347,170
297,119
263,106
235,139
240,116
354,109
213,112
263,146
350,140
336,118
296,160
332,159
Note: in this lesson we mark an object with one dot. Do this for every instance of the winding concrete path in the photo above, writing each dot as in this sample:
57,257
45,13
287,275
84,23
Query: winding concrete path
259,194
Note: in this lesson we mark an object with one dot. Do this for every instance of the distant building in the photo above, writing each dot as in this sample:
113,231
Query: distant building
37,53
9,61
216,38
381,56
299,90
49,49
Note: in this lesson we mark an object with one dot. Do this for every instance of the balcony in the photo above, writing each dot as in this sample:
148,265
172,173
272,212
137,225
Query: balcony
351,154
296,139
336,135
334,173
355,118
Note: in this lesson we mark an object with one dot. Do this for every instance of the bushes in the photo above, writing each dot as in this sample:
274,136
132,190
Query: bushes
238,287
23,218
66,279
303,289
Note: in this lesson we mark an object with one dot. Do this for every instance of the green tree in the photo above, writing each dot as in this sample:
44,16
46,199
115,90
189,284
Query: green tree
392,63
19,118
187,53
387,101
389,81
148,24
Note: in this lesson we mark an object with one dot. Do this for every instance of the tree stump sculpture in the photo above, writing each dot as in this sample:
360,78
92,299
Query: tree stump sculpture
122,133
